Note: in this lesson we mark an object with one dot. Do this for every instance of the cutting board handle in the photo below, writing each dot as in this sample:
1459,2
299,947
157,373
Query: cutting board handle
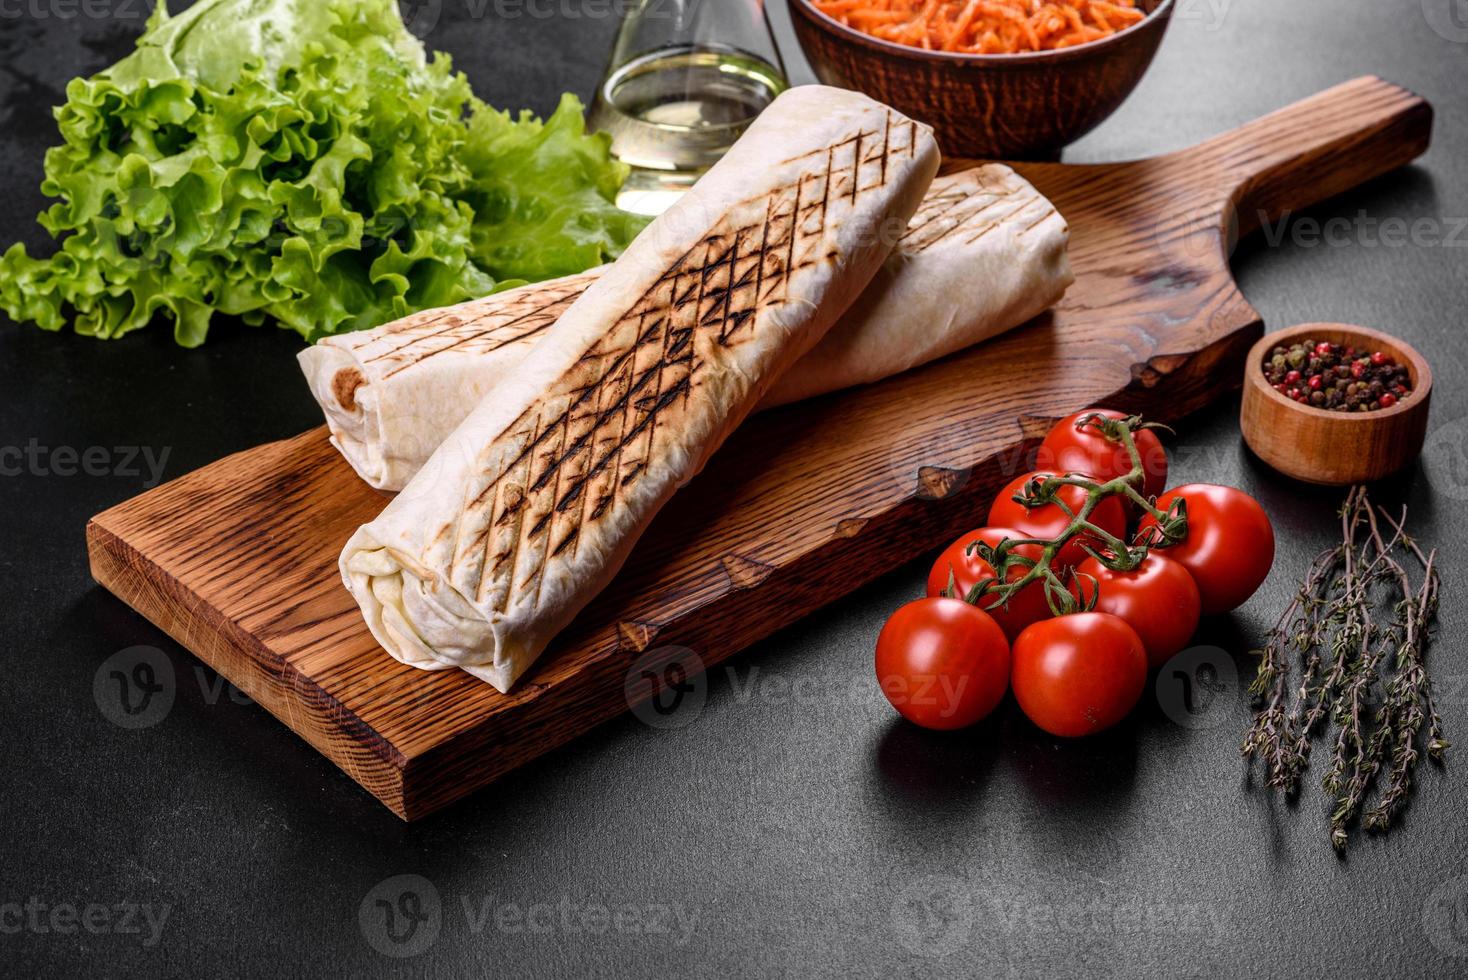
1315,149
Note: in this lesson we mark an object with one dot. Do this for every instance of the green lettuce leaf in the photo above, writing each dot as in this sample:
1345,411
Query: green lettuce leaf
303,162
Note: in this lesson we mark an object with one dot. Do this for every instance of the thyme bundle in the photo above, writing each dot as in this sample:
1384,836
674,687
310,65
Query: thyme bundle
1359,628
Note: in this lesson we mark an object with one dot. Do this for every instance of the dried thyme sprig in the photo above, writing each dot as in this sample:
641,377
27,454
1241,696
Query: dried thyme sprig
1361,670
1409,704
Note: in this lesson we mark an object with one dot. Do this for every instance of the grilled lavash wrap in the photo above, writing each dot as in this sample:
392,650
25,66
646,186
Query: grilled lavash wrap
985,252
533,503
392,395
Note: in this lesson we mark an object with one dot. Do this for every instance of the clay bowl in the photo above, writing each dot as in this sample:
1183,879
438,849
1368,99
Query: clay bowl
1013,107
1335,448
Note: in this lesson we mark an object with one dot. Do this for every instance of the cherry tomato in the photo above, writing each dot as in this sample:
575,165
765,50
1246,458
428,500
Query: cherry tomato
1068,449
1048,521
943,663
1158,599
1077,675
1230,543
968,570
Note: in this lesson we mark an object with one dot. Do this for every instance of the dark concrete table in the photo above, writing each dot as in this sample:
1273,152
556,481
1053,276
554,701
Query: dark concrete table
794,827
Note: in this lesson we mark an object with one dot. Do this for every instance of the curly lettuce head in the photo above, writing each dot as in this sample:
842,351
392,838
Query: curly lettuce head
301,161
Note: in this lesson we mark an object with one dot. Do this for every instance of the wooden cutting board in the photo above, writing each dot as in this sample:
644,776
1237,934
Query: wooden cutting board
237,561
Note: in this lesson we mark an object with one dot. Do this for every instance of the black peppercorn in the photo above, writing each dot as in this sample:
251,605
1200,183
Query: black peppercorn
1336,377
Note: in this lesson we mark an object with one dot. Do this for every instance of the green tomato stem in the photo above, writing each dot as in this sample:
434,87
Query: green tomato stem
1171,527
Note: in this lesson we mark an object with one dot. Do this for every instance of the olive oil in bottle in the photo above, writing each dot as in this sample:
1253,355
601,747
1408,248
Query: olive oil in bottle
673,112
684,81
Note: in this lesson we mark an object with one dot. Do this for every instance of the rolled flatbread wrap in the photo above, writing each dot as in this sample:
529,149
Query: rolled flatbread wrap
392,395
984,253
532,504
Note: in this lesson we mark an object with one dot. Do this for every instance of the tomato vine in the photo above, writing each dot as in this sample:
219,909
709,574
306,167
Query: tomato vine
1111,551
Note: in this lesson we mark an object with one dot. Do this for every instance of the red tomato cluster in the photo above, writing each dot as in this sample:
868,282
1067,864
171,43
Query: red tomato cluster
945,663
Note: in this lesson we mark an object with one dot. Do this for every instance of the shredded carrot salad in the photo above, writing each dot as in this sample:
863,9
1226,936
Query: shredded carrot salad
985,26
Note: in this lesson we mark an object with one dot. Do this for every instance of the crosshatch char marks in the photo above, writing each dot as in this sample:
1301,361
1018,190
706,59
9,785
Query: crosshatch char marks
637,392
494,322
966,206
801,506
971,203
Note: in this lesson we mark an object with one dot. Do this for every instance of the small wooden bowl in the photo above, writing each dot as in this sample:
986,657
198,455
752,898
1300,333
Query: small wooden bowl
1008,106
1335,448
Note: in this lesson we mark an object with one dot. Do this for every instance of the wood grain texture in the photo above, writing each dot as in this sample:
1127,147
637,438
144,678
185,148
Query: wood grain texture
1022,107
237,561
1335,449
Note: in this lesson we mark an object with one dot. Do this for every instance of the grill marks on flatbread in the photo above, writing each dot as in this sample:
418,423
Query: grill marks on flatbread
971,204
571,457
529,507
482,325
